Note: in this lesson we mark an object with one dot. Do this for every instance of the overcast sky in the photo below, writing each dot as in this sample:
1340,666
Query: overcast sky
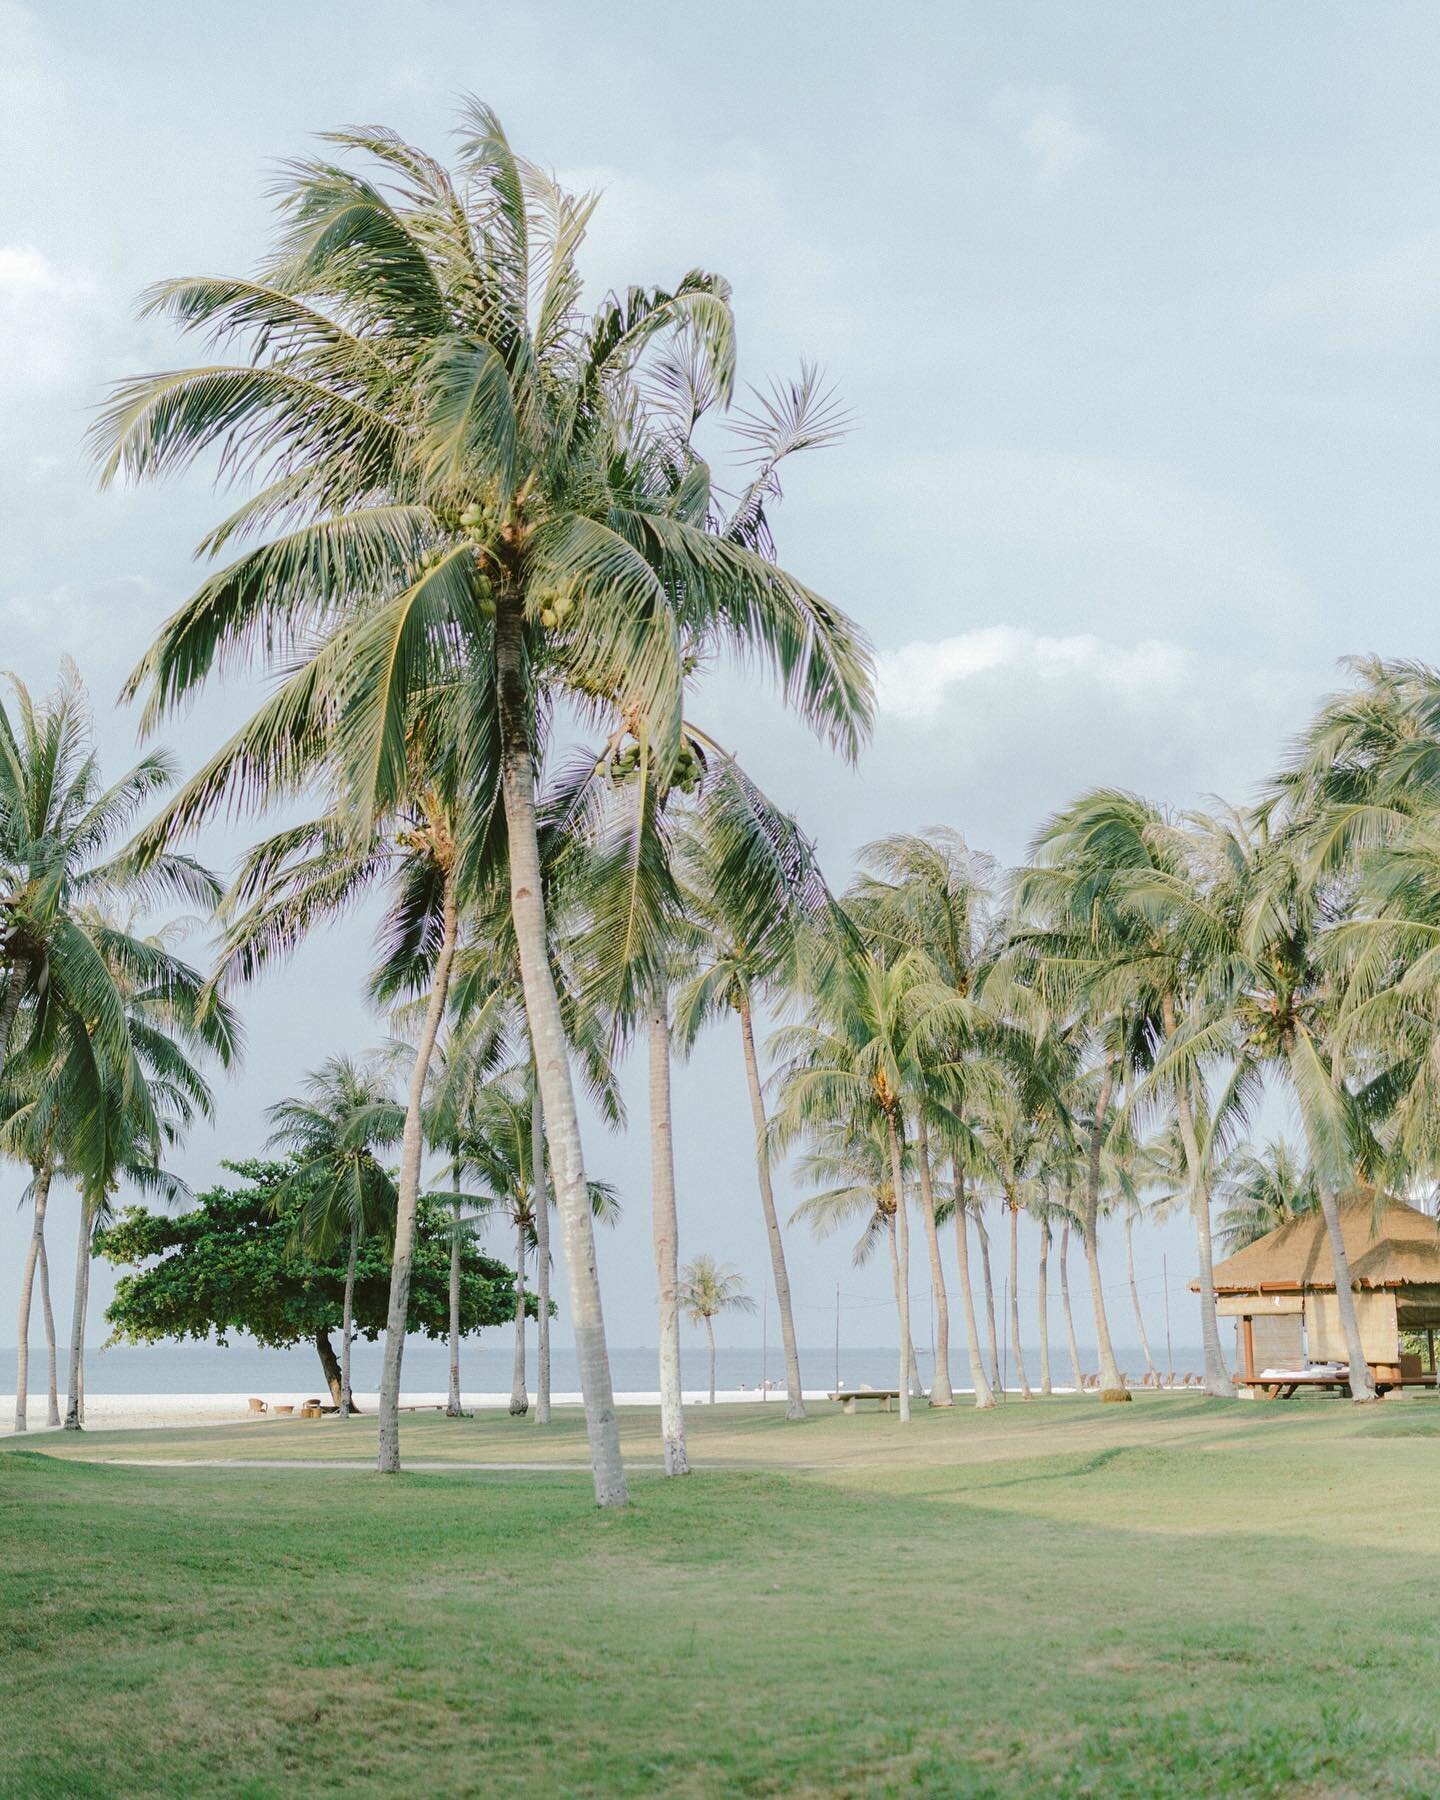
1136,311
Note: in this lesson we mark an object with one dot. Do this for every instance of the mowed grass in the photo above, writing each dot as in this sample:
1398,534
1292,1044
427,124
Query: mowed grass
1175,1597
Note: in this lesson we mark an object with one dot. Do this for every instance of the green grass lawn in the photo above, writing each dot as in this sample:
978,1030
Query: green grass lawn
1176,1597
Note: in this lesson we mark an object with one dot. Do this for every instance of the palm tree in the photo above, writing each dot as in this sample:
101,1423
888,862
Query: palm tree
27,1136
332,1132
1262,1190
708,1288
466,465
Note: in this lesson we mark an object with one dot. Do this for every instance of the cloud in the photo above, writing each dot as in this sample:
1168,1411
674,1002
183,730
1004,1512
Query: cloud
45,312
1044,125
1388,300
915,681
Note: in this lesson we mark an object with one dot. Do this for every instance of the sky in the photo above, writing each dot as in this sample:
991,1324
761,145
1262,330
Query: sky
1135,313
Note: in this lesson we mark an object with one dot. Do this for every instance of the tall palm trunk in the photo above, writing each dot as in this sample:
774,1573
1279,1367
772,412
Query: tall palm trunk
1135,1292
665,1230
40,1196
75,1397
710,1333
979,1381
10,1002
331,1369
794,1394
547,1036
940,1392
1074,1348
452,1402
411,1146
902,1266
993,1333
1217,1375
1042,1302
52,1406
519,1396
347,1323
1013,1206
1111,1381
541,1188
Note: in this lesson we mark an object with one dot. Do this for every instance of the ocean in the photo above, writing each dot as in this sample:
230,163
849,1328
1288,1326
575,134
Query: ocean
485,1367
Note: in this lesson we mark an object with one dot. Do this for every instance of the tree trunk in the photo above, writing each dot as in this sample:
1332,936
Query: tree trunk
794,1394
547,1035
710,1333
984,1396
1014,1210
1362,1383
902,1266
940,1392
1042,1303
10,1002
1110,1378
40,1178
411,1146
53,1376
346,1401
984,1237
75,1398
519,1396
1217,1375
334,1379
1135,1292
541,1186
666,1232
1074,1348
452,1403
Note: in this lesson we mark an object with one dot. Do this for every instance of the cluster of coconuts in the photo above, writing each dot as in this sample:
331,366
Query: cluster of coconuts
556,612
625,762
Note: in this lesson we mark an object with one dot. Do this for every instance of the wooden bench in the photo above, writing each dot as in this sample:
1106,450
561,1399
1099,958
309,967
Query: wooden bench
850,1398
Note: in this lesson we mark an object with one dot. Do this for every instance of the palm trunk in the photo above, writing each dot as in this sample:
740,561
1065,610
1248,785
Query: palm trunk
1217,1375
1042,1302
519,1396
332,1370
75,1398
52,1413
666,1232
1135,1292
940,1392
1015,1344
994,1335
346,1400
1362,1383
710,1333
1111,1381
1074,1348
10,1002
794,1394
984,1395
452,1403
902,1267
541,1187
411,1146
547,1036
40,1195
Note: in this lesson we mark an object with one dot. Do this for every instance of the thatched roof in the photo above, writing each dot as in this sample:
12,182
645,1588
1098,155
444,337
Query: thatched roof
1398,1247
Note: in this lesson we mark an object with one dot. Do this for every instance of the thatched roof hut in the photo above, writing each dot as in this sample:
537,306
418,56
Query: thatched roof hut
1281,1290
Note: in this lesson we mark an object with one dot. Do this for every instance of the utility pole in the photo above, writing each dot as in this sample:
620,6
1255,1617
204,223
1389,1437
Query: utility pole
837,1337
765,1343
1004,1347
1169,1353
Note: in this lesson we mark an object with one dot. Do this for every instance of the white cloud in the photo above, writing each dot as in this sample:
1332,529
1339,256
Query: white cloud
915,681
1045,127
1389,300
47,315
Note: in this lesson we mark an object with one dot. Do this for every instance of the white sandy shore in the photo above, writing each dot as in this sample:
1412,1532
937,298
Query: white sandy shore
122,1412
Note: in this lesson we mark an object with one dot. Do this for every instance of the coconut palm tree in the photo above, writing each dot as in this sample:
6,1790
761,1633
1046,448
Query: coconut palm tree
27,1136
1261,1190
333,1131
706,1289
474,492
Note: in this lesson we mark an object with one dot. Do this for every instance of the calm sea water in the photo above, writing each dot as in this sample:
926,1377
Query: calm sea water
485,1367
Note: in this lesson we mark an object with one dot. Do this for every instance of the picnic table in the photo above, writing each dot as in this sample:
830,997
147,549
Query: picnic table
851,1397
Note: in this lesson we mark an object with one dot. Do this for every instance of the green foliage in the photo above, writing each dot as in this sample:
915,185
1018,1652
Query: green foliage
228,1265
